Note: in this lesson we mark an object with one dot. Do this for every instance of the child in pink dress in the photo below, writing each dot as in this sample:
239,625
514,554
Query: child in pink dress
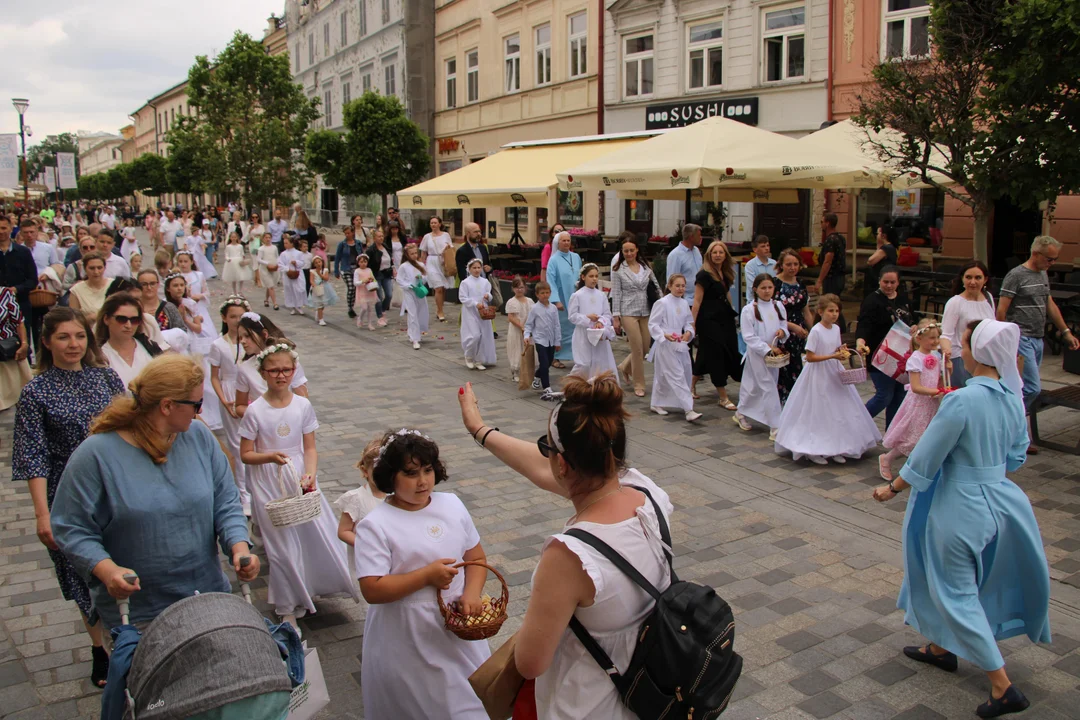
365,299
924,368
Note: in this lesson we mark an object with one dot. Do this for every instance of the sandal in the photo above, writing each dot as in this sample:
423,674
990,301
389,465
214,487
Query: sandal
558,365
99,671
883,469
1013,701
639,393
266,303
727,404
442,318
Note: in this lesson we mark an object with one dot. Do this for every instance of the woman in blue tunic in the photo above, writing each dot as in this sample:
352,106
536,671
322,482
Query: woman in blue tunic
562,274
974,567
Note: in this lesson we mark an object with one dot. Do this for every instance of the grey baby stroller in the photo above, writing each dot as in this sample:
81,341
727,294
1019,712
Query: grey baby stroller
208,657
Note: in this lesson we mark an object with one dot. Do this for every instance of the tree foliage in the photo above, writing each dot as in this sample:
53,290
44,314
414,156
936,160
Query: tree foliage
148,174
381,151
993,113
44,153
248,130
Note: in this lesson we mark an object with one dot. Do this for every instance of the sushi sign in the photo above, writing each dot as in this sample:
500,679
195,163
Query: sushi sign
673,115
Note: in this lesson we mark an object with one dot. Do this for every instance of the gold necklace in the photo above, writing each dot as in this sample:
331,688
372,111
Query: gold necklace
594,501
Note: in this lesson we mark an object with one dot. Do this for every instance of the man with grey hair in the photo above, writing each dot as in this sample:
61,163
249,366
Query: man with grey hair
685,258
1025,300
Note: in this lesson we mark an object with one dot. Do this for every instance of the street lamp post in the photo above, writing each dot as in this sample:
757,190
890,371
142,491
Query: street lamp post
21,104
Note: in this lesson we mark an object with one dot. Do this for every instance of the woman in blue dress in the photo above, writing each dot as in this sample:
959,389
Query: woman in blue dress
562,274
73,385
974,567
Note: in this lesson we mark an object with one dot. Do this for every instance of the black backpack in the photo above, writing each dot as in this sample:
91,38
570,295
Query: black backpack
684,664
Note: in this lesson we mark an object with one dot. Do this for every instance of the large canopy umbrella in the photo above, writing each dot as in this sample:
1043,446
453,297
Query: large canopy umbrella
718,152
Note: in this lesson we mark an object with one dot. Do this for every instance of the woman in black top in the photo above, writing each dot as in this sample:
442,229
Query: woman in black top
883,257
879,311
382,267
714,320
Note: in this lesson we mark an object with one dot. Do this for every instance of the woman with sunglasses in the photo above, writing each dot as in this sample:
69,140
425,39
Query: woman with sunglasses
150,493
615,503
119,333
52,418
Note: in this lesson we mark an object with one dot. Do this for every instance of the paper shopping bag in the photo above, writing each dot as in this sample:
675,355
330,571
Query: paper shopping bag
498,681
527,368
311,696
892,354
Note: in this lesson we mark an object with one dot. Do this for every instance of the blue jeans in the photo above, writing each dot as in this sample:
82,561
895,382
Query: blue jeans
386,291
1031,349
544,357
888,394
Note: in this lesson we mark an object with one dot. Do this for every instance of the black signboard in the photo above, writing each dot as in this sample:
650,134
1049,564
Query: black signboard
681,114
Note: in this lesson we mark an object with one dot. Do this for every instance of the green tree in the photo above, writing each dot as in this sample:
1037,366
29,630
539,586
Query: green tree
148,174
992,113
91,186
381,151
119,182
44,153
249,126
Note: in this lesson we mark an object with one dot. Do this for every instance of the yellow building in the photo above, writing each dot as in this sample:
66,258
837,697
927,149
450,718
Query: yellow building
513,72
275,38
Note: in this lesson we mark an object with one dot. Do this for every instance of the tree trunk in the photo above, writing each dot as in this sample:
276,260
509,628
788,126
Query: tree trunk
982,213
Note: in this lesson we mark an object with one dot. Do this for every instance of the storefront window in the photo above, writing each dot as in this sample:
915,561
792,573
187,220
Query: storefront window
523,216
447,166
571,209
916,215
452,221
699,213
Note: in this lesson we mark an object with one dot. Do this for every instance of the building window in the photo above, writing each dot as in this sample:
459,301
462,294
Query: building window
523,216
785,44
328,98
344,29
451,83
172,119
363,18
390,76
326,38
512,64
296,58
907,28
638,65
543,55
705,59
346,95
365,78
472,76
311,48
385,12
579,33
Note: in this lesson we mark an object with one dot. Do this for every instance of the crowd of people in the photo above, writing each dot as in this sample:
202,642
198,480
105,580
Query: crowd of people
138,375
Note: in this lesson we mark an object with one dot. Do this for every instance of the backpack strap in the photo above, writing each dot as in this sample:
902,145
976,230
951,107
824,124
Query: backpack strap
665,532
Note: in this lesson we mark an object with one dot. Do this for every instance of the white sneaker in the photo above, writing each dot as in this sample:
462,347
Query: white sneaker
514,378
772,434
817,459
416,346
481,367
322,322
299,312
741,421
549,396
292,312
536,384
839,459
692,416
469,364
659,411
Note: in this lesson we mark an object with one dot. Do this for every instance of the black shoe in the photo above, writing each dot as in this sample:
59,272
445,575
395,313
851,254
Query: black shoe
352,313
1013,701
496,336
99,671
946,662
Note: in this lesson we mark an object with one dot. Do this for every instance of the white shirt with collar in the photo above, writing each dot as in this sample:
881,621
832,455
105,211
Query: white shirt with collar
116,266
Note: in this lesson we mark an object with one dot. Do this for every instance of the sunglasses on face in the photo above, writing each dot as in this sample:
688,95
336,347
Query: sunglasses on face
127,319
87,247
195,404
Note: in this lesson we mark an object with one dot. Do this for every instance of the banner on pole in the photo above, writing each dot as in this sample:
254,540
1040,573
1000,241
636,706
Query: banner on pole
50,178
65,170
9,161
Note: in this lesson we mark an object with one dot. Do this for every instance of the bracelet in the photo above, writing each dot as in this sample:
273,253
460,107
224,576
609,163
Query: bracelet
484,439
893,490
478,432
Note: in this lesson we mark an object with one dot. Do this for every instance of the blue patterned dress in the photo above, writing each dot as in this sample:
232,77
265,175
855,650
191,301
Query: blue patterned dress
52,418
794,297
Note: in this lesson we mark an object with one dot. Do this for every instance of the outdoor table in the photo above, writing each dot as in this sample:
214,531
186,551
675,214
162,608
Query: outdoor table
1061,270
1068,397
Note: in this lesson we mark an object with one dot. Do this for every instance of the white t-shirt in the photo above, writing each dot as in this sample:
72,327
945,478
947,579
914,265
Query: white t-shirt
108,220
127,372
116,266
168,231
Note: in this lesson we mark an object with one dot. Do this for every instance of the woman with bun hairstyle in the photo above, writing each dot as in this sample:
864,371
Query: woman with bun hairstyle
582,456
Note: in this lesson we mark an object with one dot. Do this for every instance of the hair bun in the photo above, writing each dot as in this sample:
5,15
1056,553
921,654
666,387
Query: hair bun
602,394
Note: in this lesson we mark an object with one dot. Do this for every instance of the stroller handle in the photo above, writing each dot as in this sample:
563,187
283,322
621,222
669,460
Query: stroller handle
123,605
245,588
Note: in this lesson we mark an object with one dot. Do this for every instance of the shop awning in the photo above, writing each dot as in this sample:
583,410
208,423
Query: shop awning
750,195
718,152
521,175
850,139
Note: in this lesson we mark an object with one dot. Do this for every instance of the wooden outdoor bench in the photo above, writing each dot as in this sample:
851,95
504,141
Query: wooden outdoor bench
1068,397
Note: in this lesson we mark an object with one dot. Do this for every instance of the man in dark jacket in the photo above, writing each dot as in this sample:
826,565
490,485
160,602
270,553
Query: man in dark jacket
18,271
472,248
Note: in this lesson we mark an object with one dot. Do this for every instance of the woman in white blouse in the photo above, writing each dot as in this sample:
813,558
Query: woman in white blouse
119,332
970,301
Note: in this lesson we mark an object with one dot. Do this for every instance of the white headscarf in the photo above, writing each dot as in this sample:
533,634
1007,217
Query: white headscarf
995,344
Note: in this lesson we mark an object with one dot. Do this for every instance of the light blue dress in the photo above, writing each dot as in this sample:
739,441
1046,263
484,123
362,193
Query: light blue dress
563,272
974,567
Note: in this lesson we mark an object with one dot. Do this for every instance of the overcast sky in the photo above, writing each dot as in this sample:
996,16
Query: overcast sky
87,64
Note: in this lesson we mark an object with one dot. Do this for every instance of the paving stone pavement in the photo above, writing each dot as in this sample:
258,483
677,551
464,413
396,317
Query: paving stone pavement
809,562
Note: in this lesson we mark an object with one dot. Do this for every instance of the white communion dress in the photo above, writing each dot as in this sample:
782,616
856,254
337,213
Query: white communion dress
416,308
590,360
414,667
235,270
295,288
226,356
822,416
759,398
672,373
477,336
308,559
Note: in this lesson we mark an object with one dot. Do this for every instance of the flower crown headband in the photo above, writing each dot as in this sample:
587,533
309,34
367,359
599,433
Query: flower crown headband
403,432
274,349
931,326
587,266
253,316
235,301
475,261
185,252
173,276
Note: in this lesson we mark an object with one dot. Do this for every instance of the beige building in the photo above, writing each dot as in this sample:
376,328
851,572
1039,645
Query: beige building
151,122
275,38
99,152
513,72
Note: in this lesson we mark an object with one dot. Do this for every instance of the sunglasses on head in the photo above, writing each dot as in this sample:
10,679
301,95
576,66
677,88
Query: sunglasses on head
547,449
195,404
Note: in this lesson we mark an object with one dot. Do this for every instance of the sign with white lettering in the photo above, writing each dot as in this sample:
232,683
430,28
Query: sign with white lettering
673,115
9,161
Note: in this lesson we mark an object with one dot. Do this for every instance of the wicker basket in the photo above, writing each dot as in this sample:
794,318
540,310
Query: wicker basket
777,361
854,376
476,627
488,312
292,274
293,509
42,298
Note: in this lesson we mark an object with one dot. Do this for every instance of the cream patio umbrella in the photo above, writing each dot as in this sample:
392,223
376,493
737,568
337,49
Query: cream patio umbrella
718,152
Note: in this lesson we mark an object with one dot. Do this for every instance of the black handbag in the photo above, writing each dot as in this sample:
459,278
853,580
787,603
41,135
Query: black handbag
8,347
652,291
684,664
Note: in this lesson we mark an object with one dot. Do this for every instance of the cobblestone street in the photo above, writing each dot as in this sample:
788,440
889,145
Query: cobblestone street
809,562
